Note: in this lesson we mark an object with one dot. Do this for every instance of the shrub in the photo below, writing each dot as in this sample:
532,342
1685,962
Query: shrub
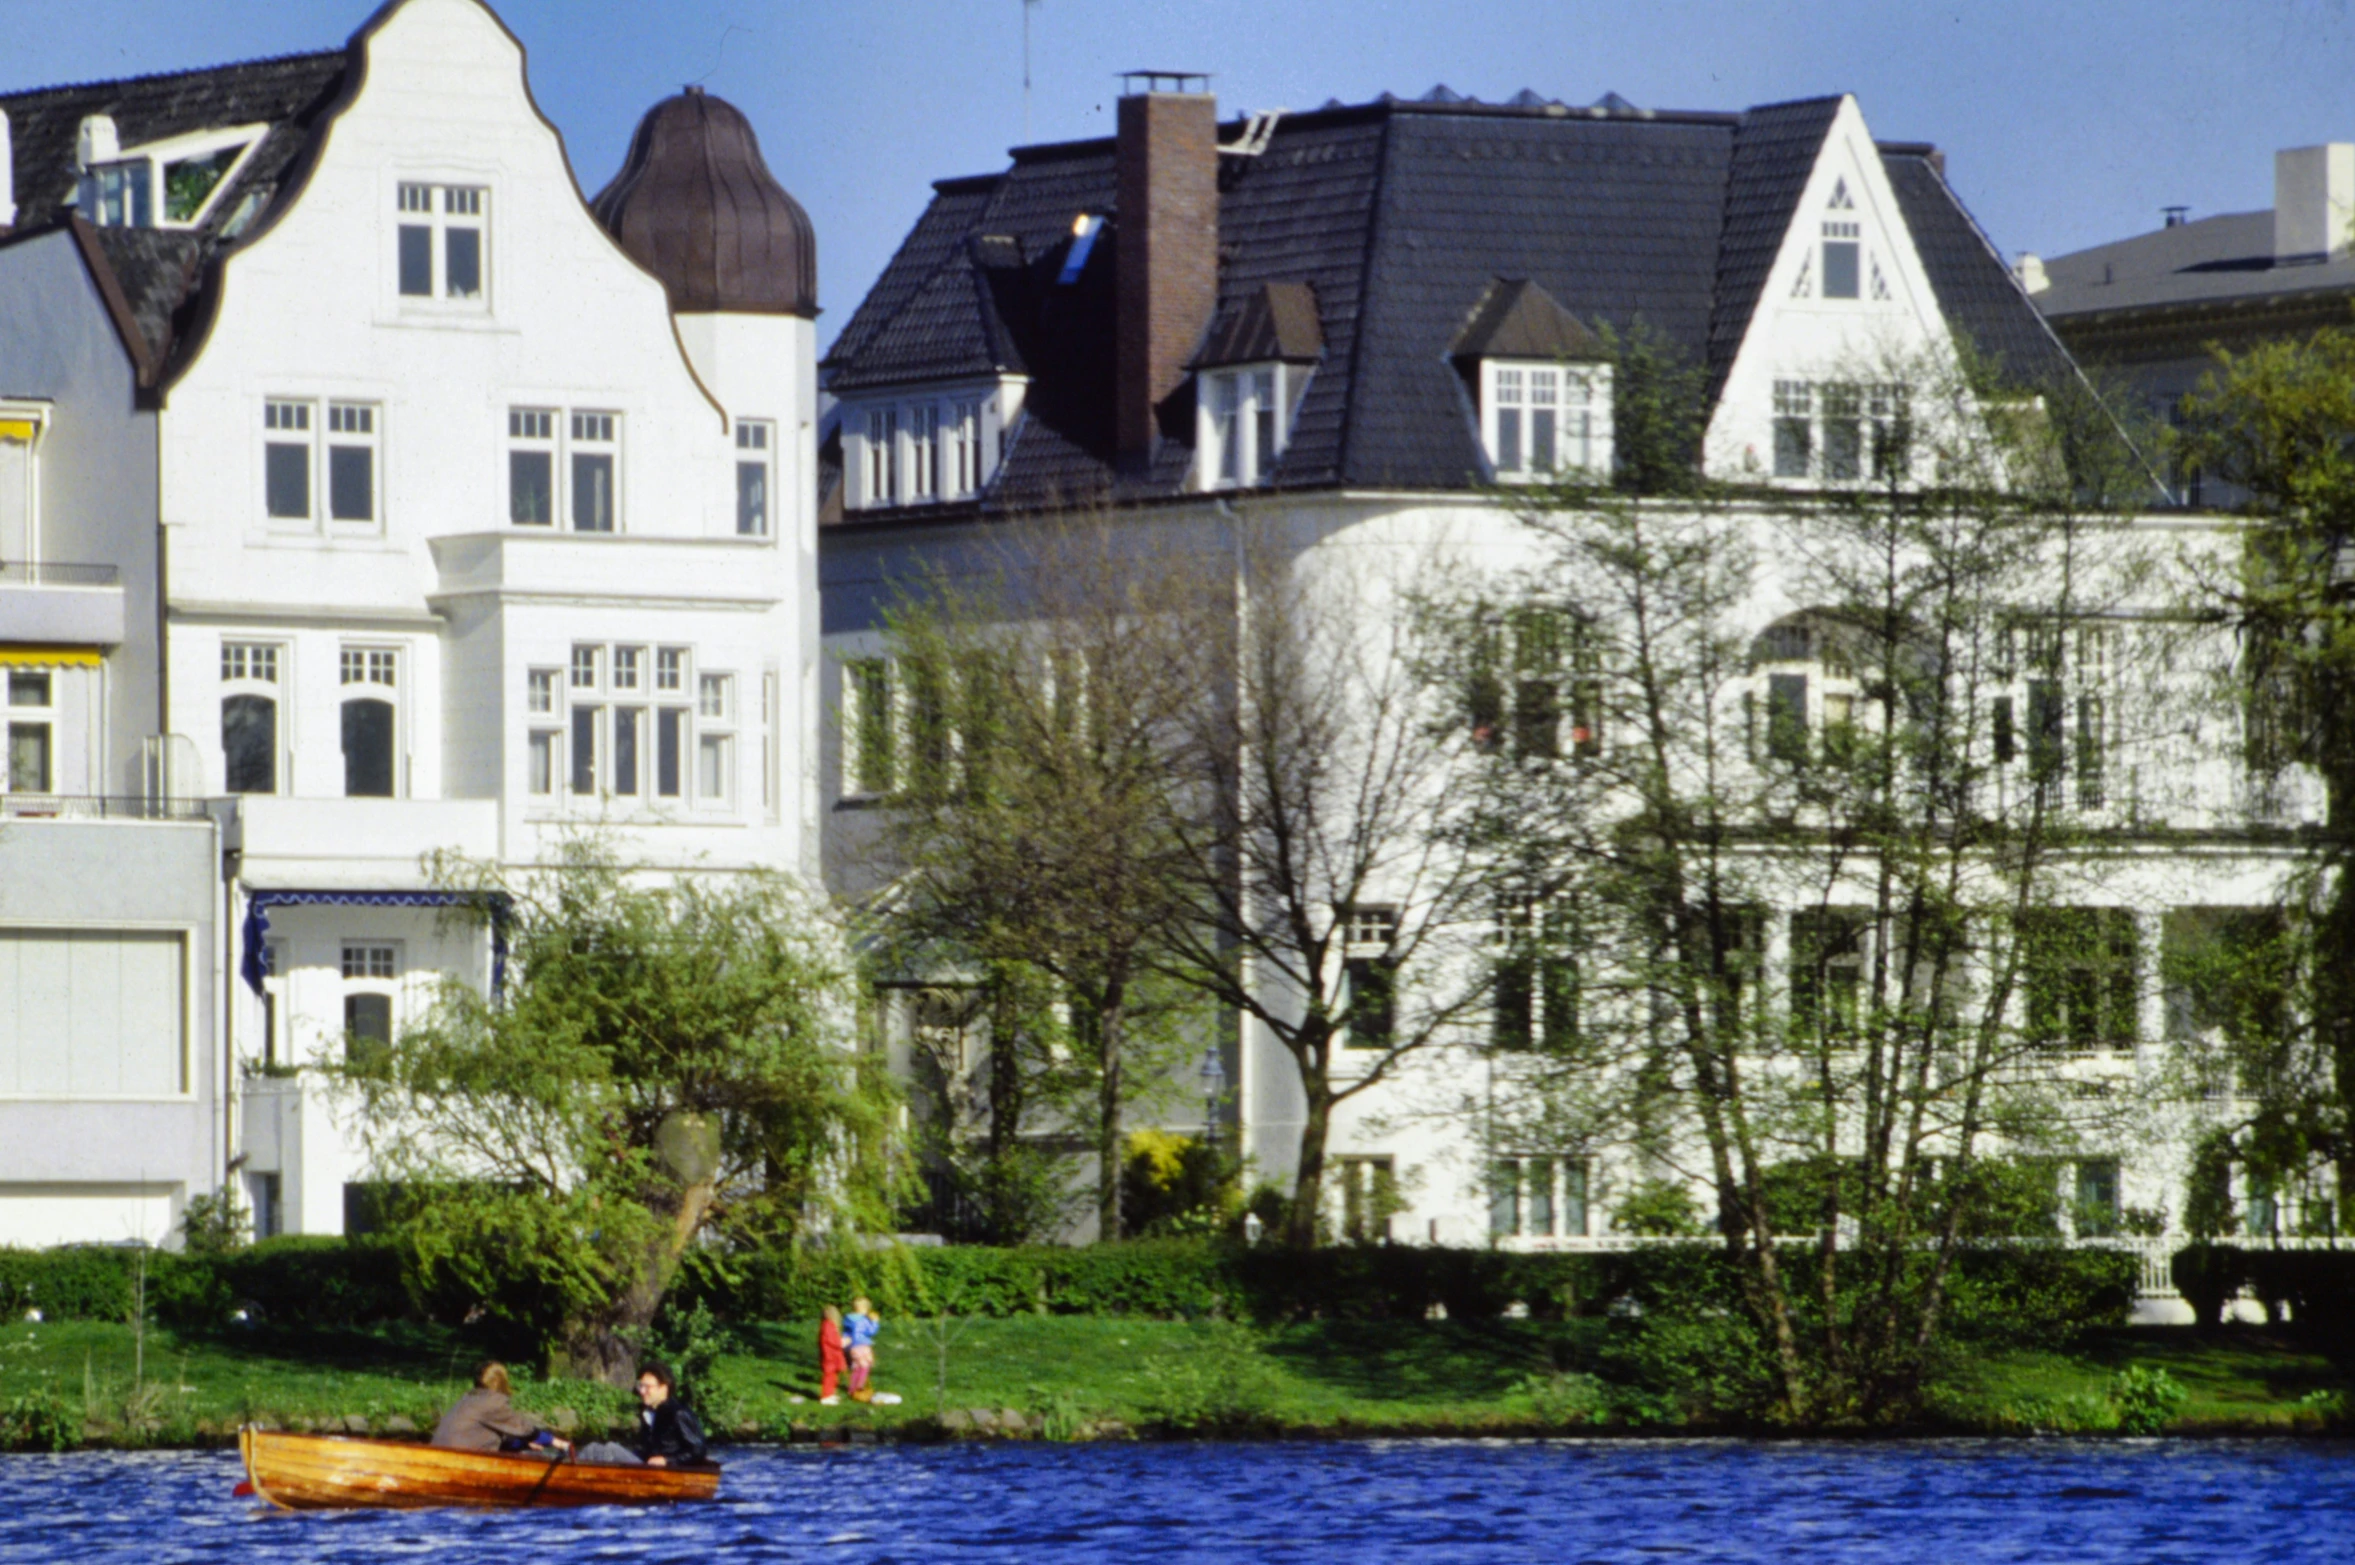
2146,1399
38,1421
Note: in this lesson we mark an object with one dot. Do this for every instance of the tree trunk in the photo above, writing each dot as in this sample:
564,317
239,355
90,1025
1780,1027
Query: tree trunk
1308,1184
1108,1159
608,1345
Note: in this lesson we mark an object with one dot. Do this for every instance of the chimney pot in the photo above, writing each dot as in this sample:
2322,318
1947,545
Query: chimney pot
1165,252
2313,201
97,141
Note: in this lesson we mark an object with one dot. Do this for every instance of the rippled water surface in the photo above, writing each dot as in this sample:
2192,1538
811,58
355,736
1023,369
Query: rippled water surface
1927,1503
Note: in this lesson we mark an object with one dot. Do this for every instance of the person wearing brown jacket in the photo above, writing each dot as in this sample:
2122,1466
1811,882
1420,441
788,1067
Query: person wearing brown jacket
484,1420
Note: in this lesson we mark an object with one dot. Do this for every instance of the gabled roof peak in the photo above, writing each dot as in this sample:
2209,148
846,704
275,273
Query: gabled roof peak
1517,319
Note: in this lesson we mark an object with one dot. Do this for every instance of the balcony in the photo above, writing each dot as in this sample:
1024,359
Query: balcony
355,844
99,807
60,605
532,562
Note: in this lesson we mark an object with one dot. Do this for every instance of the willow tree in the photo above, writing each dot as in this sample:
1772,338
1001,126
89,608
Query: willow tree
1843,730
670,1058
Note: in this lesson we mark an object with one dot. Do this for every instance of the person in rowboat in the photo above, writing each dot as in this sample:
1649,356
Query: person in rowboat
484,1420
669,1434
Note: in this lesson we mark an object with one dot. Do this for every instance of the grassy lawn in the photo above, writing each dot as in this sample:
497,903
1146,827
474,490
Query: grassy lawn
1435,1377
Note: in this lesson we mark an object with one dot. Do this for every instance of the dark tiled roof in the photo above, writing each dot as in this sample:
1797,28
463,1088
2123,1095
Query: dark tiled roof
151,274
287,93
1278,322
1774,152
1398,220
1982,302
1516,319
156,269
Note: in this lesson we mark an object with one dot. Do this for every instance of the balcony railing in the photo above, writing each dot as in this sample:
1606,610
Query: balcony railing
25,573
97,807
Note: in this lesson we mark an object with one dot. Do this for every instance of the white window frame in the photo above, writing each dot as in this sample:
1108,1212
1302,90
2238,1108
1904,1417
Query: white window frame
531,431
961,466
143,175
1529,404
30,715
880,466
371,965
1243,424
715,735
756,462
251,667
352,427
543,710
438,208
592,433
25,424
374,668
289,423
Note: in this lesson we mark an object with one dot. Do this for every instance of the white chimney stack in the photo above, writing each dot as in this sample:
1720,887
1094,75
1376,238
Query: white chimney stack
7,173
2313,201
97,142
2028,271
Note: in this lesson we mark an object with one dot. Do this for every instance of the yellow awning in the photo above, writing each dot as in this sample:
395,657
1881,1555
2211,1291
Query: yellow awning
21,430
51,657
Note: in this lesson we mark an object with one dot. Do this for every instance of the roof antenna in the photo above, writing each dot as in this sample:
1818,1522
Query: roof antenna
1026,5
718,53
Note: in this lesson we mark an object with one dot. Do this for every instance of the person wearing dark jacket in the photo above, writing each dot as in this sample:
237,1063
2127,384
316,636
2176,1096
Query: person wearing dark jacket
668,1433
483,1420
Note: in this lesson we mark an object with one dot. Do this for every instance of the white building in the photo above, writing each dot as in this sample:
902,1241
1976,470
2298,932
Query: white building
1346,329
364,494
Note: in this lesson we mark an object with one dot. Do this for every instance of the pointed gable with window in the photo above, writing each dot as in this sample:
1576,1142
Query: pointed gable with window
1541,382
1825,314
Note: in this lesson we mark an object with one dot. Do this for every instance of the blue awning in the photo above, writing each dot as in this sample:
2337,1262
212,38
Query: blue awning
253,964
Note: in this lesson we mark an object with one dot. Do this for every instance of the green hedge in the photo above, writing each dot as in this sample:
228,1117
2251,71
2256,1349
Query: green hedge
2018,1291
303,1281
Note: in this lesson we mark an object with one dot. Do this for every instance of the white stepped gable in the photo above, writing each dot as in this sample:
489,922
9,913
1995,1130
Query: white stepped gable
1846,298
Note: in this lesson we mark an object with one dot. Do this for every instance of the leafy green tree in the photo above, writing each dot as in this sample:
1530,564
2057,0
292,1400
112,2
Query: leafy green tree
1858,781
2278,423
672,1058
1035,848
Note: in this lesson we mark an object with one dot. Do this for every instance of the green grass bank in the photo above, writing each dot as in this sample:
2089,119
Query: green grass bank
101,1384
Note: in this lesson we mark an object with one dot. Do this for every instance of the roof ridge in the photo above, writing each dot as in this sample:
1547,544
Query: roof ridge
56,88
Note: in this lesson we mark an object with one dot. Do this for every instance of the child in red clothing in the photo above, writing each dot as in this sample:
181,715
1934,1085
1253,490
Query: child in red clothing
831,1361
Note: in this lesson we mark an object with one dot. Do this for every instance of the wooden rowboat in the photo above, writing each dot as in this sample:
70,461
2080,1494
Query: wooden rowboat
323,1472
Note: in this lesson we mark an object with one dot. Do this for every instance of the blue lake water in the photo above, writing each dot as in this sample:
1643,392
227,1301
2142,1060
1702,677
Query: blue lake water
1925,1503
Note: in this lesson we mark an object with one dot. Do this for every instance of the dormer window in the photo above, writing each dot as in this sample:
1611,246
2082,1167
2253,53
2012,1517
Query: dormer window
1243,428
939,446
160,184
1248,383
1540,420
1540,385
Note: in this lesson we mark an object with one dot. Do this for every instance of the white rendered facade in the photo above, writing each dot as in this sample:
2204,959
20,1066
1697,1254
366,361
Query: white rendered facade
467,541
1845,345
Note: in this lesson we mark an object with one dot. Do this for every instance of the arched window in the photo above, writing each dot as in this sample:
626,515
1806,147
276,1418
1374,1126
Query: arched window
249,743
367,748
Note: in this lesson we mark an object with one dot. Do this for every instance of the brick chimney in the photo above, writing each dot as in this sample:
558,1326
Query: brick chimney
1166,254
2313,201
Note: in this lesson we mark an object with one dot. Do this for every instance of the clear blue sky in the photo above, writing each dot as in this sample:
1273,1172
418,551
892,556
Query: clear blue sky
2064,124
